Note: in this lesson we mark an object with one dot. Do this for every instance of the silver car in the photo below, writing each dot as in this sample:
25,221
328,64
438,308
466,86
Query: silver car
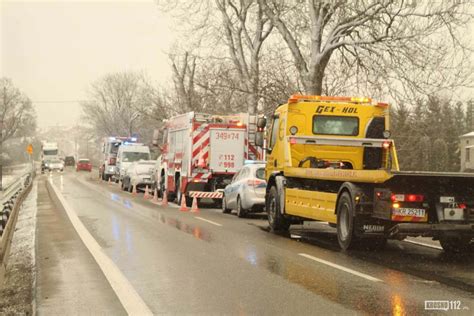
138,175
246,192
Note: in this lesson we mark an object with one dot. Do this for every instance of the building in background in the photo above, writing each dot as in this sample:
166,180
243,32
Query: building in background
467,152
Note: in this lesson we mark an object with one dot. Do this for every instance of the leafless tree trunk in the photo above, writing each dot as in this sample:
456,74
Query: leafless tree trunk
245,28
183,77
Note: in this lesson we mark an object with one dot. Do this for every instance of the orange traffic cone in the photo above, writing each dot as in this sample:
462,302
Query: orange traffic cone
155,196
146,196
184,207
134,190
194,207
164,202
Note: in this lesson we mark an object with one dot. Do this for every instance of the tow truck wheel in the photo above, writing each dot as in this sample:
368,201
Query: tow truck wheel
241,212
455,244
345,222
276,220
224,206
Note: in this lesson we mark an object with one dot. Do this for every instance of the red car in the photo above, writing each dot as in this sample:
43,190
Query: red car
84,164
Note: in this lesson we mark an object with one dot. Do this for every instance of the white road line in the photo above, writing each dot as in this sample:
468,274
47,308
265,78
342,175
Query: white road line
131,301
423,244
359,274
206,220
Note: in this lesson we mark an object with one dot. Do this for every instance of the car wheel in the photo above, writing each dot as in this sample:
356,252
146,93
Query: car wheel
129,186
455,244
224,206
241,212
345,222
277,221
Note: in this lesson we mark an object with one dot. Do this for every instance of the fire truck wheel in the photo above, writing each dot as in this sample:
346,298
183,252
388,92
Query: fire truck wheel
455,244
276,220
345,222
224,206
241,212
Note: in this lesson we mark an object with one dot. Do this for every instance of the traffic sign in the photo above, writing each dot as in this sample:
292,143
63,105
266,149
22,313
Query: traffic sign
29,149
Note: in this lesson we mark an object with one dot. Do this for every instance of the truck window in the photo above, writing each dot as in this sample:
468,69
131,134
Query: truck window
275,126
335,125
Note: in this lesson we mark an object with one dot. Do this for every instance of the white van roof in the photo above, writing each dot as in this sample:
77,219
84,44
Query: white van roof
135,148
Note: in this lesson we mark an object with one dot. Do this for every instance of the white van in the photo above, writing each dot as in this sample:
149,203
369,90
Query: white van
129,153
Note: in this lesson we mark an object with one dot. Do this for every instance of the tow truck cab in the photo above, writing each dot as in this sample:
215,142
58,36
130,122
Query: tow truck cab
331,159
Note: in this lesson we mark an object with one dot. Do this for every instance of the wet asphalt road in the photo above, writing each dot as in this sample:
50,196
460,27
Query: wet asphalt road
214,263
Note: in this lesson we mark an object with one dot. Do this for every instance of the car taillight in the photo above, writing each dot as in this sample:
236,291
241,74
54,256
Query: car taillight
407,197
254,182
112,161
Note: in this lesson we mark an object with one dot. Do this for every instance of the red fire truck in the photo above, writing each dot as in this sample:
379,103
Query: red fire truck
202,152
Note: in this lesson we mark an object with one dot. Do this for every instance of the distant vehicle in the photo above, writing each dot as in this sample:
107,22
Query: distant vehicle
129,153
138,174
69,161
202,152
84,164
49,152
54,165
110,147
246,193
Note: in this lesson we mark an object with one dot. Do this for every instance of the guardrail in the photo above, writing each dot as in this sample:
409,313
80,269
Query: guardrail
11,198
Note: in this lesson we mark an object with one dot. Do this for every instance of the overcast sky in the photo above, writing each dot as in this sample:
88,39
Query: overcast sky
53,50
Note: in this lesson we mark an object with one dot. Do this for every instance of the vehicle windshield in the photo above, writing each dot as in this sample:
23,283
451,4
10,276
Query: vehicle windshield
84,161
260,173
335,125
131,156
55,161
113,148
50,152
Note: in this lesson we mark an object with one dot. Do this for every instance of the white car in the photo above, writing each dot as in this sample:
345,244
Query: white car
246,192
138,175
54,164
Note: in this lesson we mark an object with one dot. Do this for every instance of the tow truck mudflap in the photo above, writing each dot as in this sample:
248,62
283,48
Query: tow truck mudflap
426,229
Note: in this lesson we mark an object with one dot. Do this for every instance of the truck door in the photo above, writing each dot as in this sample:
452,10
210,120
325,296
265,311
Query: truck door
272,144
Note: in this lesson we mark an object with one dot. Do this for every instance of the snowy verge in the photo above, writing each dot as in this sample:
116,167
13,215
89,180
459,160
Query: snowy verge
16,295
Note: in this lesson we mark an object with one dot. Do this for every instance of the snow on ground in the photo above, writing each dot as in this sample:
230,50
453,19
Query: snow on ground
17,297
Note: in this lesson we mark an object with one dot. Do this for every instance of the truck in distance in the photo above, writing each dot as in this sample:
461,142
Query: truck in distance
49,152
331,159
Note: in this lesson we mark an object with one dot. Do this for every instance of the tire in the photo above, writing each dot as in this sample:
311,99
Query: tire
276,220
129,186
455,244
241,212
225,210
345,222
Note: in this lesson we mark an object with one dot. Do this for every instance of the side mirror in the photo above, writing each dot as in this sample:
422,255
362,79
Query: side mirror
259,138
156,136
261,122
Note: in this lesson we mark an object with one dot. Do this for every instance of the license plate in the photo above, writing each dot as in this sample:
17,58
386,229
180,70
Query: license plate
415,212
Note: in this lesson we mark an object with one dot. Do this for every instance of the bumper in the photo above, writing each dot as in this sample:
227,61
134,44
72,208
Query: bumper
252,201
431,230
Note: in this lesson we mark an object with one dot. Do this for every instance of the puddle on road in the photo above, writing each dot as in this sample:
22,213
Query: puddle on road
195,231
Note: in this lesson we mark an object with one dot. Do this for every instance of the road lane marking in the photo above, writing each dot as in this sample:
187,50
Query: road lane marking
206,220
131,301
359,274
423,244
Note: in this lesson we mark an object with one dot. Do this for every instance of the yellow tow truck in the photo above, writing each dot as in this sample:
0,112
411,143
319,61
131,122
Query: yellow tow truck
331,159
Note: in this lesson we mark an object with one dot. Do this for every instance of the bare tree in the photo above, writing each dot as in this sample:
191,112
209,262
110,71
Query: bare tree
245,28
183,77
16,115
119,104
409,45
